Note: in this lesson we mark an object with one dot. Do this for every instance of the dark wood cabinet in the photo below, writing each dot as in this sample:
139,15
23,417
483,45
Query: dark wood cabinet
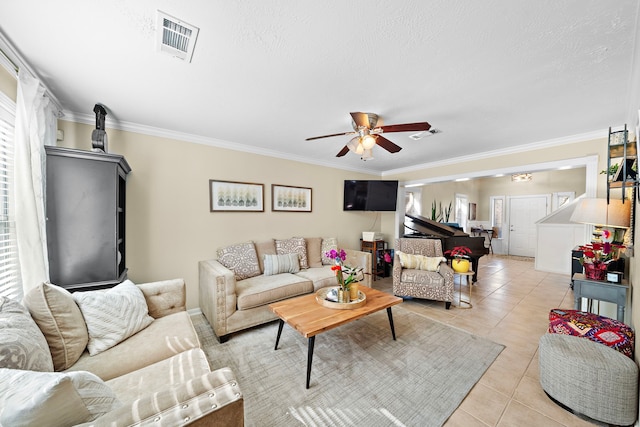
85,209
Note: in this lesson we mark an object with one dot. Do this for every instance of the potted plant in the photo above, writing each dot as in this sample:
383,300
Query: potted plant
461,258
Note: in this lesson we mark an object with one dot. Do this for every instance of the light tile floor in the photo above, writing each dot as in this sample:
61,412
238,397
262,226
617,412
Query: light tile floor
511,303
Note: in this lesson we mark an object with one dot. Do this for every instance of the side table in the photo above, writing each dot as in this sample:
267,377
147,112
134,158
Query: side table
374,247
600,290
467,278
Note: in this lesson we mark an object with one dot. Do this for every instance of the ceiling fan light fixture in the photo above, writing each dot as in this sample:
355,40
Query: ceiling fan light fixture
368,142
355,145
367,155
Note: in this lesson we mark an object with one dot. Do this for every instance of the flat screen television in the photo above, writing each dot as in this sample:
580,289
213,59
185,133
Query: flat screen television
365,195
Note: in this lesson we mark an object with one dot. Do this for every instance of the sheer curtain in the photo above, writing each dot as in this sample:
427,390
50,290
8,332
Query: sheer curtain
36,125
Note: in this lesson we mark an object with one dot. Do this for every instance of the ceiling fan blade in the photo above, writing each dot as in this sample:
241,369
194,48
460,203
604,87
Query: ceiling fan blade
342,152
407,127
329,136
361,119
386,144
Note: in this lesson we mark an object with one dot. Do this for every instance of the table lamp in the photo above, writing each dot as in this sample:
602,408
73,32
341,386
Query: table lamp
611,220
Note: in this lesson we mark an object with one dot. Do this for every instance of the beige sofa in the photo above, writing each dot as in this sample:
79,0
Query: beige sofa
158,375
237,287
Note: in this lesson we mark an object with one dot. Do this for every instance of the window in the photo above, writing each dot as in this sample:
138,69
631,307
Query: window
497,214
10,285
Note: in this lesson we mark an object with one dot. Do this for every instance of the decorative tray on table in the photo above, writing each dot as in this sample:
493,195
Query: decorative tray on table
325,297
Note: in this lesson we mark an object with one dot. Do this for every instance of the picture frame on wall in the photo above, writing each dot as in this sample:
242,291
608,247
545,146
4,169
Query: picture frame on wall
472,211
233,196
286,198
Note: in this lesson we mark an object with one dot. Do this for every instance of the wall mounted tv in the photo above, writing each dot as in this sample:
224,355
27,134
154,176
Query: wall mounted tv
370,195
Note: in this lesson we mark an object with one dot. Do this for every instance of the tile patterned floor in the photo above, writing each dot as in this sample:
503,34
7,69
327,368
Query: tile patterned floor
511,303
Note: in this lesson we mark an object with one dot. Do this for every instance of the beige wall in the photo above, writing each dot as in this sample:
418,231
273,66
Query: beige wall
169,225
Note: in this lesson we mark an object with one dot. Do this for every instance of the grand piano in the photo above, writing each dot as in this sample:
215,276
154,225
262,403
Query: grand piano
420,227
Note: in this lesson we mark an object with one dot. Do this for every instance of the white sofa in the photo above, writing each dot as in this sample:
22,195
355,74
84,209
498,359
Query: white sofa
237,287
159,375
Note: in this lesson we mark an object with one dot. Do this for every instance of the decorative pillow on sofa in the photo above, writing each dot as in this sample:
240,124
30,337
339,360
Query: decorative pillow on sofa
60,320
294,245
241,259
328,243
276,264
22,345
314,251
32,398
420,262
113,316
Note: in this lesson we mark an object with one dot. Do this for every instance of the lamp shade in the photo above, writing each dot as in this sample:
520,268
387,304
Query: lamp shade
597,212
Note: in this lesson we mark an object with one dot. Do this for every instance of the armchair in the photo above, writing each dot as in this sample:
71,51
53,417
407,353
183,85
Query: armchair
417,283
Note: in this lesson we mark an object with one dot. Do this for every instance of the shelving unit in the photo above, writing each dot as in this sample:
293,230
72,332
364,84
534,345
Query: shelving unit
375,248
624,154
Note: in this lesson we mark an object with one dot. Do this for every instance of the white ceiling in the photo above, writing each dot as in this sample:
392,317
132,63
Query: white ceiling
266,74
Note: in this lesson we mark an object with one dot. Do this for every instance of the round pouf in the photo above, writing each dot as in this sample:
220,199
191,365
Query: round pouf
589,378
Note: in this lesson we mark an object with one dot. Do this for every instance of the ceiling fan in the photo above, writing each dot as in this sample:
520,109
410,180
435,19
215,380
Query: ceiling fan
367,135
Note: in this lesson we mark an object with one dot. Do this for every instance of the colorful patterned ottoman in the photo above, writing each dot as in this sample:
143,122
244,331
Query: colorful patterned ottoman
600,329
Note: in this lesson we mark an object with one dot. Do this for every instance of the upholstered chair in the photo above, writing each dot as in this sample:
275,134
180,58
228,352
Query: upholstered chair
420,282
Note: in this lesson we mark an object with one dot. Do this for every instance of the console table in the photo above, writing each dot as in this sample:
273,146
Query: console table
601,290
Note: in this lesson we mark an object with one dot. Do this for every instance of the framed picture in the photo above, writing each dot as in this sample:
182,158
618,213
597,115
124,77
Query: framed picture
290,199
231,196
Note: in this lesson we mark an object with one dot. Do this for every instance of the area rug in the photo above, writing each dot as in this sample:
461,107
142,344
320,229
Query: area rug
359,377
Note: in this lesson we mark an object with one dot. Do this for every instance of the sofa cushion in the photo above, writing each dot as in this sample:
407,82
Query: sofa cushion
294,245
328,243
22,344
165,337
60,320
320,277
263,290
166,373
240,258
267,247
31,398
420,262
314,251
114,315
277,264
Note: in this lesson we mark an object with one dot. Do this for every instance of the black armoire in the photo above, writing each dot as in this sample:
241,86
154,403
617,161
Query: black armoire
85,216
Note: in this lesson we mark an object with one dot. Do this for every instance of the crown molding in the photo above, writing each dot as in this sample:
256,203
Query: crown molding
198,139
506,151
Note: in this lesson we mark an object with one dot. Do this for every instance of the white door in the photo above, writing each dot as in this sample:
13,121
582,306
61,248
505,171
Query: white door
523,214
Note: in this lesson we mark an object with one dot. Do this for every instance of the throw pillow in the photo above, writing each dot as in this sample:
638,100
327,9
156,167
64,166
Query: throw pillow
113,315
328,243
22,345
241,259
276,264
60,320
294,245
314,251
53,398
420,262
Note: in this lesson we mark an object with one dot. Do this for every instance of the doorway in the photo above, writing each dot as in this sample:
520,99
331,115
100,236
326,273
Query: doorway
462,210
524,211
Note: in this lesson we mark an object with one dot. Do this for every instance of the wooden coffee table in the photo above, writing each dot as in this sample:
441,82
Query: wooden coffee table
309,318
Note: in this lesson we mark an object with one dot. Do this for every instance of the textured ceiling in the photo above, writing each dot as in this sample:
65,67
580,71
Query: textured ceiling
266,74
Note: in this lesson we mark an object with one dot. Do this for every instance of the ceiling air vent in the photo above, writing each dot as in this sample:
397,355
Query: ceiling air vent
175,37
